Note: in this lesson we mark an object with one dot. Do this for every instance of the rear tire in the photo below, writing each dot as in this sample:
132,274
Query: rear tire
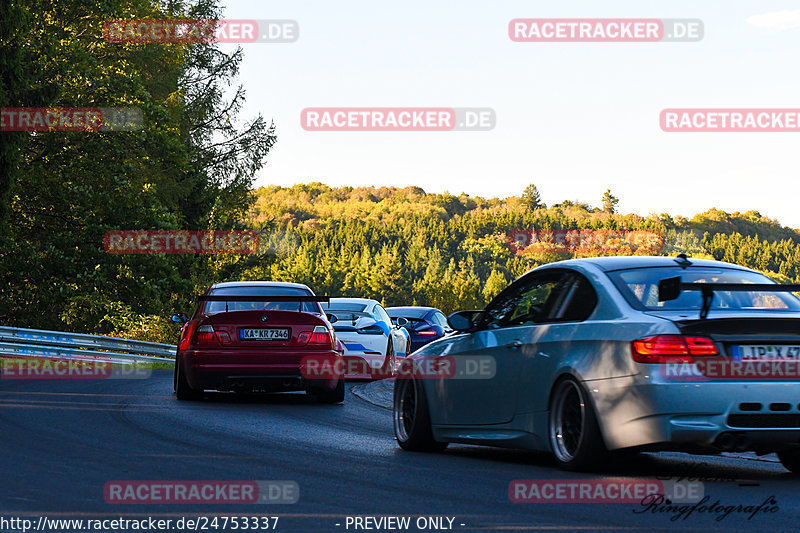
388,368
333,396
790,459
183,391
412,421
575,438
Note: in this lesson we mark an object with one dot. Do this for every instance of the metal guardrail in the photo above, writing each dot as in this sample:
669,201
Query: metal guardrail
43,343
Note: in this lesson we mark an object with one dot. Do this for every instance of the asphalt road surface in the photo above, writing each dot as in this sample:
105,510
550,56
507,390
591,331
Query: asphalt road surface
62,441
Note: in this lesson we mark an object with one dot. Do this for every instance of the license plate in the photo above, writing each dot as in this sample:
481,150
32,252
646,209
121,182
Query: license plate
264,334
766,351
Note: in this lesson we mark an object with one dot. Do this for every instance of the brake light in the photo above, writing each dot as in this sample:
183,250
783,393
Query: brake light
321,336
426,332
206,337
671,348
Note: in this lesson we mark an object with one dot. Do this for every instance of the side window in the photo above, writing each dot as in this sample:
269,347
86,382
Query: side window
381,313
530,300
440,320
579,301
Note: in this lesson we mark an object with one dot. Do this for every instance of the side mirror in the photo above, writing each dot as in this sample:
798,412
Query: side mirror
463,320
179,318
401,322
332,318
669,289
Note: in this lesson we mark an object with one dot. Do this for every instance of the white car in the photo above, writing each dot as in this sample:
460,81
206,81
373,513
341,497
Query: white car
372,343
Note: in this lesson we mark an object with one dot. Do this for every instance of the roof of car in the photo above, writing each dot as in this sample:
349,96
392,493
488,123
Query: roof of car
411,308
642,261
227,284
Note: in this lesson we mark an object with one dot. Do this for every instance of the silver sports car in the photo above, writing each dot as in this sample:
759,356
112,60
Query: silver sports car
604,354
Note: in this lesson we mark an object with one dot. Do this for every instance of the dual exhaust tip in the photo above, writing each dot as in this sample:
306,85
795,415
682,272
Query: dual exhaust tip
730,442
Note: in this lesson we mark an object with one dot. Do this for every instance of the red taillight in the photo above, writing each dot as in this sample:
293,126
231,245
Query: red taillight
671,348
321,336
188,331
426,332
205,337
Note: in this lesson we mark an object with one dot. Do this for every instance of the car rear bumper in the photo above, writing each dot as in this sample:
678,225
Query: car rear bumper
638,411
257,370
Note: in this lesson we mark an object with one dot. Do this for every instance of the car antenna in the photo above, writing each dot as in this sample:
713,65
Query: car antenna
682,260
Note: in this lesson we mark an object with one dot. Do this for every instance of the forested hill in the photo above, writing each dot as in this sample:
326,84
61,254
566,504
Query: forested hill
403,246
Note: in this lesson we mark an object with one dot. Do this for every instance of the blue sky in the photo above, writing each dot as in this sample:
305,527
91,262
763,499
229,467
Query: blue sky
573,118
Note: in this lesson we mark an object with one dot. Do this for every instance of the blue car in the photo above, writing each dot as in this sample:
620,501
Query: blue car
426,324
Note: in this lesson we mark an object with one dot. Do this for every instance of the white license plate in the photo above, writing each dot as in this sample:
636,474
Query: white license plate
264,334
766,351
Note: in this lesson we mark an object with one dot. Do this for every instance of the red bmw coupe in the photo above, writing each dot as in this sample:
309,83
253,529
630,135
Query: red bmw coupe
255,336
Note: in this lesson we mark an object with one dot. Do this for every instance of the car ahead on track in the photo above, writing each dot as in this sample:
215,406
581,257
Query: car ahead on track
372,342
618,354
425,324
256,336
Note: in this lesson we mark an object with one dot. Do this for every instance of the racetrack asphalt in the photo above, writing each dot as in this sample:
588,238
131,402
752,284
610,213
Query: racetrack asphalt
63,440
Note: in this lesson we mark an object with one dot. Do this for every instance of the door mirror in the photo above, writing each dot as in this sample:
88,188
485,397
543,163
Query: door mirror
463,320
401,321
179,318
332,318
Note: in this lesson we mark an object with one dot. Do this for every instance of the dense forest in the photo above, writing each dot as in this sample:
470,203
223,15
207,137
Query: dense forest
192,167
403,246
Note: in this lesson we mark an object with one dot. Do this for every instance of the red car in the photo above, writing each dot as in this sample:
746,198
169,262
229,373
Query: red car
256,336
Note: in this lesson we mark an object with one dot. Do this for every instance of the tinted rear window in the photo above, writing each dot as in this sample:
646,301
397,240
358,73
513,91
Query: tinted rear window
219,307
640,286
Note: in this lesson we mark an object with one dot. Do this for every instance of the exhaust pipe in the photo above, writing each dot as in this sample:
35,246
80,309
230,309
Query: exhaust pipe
726,442
741,442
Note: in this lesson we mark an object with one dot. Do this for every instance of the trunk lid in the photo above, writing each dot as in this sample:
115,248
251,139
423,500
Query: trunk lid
241,325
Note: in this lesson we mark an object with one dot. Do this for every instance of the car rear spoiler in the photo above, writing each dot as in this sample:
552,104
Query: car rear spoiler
671,288
208,298
232,298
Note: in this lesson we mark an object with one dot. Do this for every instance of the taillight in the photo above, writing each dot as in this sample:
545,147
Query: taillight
426,332
205,337
321,337
671,348
188,331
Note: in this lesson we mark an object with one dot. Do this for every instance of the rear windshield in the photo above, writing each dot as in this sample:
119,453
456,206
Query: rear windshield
220,307
408,313
640,288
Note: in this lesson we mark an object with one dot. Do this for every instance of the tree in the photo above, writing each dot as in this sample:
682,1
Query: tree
609,202
532,198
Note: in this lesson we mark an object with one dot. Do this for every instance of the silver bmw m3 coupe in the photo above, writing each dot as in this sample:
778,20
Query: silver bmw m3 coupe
605,354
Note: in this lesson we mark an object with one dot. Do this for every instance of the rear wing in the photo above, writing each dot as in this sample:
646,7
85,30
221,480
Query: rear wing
232,298
671,288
